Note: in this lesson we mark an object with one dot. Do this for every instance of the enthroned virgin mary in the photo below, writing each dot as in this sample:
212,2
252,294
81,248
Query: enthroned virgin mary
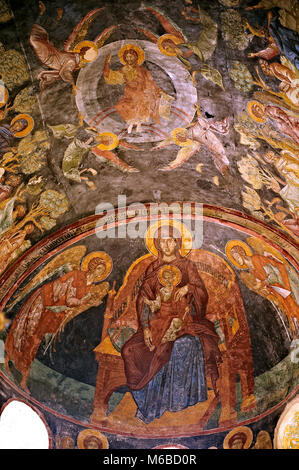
169,371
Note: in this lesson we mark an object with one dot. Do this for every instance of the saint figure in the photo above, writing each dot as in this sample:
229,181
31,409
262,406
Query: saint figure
48,307
142,99
170,373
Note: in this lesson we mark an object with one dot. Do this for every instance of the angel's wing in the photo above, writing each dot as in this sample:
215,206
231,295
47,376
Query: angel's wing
250,281
39,40
169,26
206,41
182,156
104,36
127,145
94,299
217,274
67,131
113,159
79,32
152,36
261,248
66,261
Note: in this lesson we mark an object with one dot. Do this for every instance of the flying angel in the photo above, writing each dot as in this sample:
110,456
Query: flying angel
67,286
100,144
76,54
170,42
190,139
108,141
266,272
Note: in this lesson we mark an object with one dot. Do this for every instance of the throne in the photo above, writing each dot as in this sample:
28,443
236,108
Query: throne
225,308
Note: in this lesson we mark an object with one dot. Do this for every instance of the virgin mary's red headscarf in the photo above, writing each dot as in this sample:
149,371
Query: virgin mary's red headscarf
168,231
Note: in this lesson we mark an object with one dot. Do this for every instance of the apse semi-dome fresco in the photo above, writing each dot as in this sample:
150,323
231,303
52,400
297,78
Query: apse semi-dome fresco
149,204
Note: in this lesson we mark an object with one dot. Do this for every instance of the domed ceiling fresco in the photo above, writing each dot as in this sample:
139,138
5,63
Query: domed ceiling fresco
149,207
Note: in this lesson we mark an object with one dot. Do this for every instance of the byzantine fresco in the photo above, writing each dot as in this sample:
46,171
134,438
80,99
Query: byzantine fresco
96,340
194,103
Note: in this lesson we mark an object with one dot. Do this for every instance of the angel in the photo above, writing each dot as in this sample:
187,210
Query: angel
77,51
67,286
288,166
281,31
266,272
201,132
106,142
170,43
100,144
285,122
288,74
289,78
74,153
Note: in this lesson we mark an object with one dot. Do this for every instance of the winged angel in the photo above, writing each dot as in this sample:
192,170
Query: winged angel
77,51
67,286
266,272
100,144
174,38
190,139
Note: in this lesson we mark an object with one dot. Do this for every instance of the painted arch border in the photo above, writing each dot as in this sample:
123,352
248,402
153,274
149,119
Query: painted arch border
61,239
74,232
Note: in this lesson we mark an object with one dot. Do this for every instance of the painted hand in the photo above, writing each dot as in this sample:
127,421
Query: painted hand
148,339
181,293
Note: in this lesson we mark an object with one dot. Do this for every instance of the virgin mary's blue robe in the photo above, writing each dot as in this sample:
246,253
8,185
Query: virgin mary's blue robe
172,376
179,384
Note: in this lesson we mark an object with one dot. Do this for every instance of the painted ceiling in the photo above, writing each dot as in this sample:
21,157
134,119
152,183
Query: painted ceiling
114,115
